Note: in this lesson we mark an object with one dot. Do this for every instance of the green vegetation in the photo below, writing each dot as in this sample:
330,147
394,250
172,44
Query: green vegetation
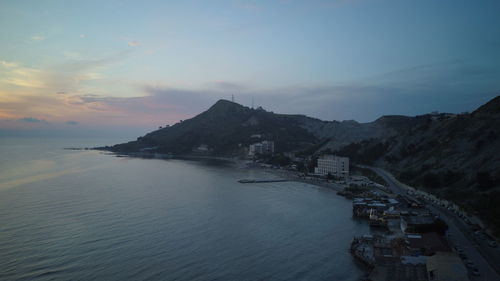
227,129
277,160
485,180
486,206
371,175
356,189
364,152
313,148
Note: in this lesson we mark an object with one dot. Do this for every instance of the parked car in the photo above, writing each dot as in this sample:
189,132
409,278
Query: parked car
470,264
475,272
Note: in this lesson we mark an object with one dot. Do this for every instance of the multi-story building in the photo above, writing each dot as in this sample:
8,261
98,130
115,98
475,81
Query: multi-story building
263,147
332,164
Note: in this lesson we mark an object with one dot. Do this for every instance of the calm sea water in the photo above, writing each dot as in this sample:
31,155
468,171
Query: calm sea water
84,215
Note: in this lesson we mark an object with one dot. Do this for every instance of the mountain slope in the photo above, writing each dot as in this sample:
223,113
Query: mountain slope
454,156
227,127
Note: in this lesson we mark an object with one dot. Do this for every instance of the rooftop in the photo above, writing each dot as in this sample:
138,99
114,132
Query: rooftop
429,242
446,266
399,272
414,220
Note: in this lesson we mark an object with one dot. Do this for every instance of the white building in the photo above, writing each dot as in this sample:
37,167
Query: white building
203,148
263,147
332,164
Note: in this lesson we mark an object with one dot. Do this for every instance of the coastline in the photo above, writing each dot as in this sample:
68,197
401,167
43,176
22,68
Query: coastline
148,155
238,163
287,175
293,176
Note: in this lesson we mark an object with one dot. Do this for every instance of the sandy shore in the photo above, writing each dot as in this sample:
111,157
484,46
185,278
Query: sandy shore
244,164
294,176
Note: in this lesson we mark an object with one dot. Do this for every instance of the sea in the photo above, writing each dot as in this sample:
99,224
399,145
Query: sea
90,215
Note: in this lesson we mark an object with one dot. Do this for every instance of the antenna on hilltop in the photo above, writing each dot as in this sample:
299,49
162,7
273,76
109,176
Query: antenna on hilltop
252,102
232,98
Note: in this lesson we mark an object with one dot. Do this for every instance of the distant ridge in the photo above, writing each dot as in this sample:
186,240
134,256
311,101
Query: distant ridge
456,156
492,107
227,127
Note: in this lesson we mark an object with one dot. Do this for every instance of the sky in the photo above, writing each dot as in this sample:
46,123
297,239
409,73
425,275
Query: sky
96,67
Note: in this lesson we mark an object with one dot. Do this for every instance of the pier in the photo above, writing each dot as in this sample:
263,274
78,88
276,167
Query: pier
261,180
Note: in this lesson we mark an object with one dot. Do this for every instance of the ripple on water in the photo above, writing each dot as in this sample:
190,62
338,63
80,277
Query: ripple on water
172,220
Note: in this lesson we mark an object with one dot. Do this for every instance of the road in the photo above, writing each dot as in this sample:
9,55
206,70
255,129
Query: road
457,234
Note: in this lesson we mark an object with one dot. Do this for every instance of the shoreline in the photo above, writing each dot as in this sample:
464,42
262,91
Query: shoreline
147,155
287,175
238,163
292,176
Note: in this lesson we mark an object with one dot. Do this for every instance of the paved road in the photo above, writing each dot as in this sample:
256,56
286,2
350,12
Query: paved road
457,235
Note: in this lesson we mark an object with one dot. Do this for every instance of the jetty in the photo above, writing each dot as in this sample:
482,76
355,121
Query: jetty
261,180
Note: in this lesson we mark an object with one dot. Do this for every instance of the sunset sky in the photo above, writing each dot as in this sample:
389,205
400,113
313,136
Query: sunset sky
104,66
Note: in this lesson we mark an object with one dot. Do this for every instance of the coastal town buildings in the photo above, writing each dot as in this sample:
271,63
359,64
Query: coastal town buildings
334,165
408,243
262,148
417,224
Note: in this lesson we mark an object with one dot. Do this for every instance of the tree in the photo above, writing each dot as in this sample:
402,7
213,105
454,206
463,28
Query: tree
484,180
432,180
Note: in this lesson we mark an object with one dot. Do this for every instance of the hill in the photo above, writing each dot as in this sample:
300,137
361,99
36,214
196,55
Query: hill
453,156
227,127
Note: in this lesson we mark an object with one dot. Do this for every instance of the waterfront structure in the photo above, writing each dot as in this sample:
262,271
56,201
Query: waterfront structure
417,224
334,165
362,207
426,244
446,266
398,272
263,148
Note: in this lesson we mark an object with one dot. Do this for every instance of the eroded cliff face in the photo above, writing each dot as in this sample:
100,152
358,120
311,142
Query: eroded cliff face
454,156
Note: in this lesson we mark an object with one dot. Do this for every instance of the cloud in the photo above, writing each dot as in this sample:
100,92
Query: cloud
229,86
14,74
159,106
184,100
66,77
133,43
32,120
450,86
72,55
82,36
453,86
37,38
7,64
73,123
253,7
61,78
